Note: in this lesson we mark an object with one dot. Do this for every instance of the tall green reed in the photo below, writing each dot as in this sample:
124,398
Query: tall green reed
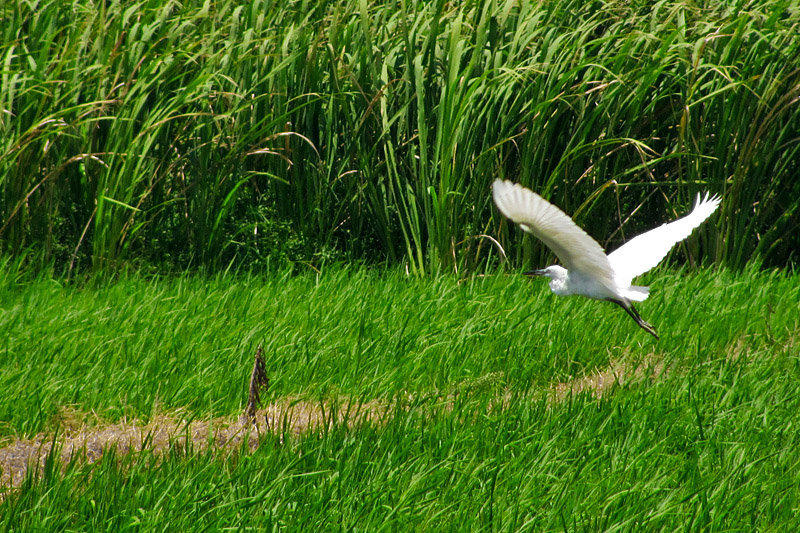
216,133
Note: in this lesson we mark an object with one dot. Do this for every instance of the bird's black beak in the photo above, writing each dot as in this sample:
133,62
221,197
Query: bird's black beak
532,273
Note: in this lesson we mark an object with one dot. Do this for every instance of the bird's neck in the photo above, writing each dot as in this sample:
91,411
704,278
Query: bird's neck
559,286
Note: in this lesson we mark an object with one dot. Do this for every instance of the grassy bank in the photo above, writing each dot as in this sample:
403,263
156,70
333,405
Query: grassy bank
477,434
202,133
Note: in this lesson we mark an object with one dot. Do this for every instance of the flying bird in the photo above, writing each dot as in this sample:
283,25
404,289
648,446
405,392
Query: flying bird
589,271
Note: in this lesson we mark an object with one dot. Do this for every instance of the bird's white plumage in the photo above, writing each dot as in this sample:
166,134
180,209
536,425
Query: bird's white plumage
589,271
645,251
580,254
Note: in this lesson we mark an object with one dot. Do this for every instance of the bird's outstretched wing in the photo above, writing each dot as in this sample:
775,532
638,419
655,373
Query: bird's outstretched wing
645,251
576,250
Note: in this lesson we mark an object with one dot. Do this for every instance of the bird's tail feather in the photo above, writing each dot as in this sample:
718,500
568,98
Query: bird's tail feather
637,293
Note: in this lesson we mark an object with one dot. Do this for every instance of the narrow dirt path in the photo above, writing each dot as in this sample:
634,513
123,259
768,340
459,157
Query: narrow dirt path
291,416
89,442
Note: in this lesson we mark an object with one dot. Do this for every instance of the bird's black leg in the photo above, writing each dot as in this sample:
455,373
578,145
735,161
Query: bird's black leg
634,314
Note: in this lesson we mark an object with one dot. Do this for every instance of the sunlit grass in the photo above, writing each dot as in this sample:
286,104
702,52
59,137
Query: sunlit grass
134,345
473,438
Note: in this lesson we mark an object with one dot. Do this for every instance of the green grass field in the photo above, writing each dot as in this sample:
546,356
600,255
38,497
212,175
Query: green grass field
475,435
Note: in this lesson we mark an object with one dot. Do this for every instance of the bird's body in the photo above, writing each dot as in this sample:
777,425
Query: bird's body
589,271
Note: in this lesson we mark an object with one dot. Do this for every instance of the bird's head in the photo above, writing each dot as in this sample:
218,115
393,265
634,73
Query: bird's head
553,272
557,275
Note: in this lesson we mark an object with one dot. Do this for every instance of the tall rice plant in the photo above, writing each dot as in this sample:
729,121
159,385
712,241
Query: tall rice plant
215,133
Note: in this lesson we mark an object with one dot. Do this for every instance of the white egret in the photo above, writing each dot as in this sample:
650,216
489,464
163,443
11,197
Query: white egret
589,271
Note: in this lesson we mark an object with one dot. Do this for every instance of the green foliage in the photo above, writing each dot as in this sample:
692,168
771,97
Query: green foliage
133,345
707,443
164,131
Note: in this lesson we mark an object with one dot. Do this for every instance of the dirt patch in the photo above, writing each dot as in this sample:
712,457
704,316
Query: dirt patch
87,443
85,439
602,381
